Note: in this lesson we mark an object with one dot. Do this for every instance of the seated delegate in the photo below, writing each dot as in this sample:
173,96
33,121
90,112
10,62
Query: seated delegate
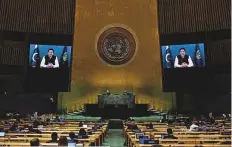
54,138
169,135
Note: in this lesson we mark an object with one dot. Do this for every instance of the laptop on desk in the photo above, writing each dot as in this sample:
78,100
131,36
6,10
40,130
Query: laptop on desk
82,136
136,130
2,134
142,139
150,141
137,135
71,143
147,140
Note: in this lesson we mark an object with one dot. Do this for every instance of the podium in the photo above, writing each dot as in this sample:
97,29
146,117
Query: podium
116,100
119,112
117,106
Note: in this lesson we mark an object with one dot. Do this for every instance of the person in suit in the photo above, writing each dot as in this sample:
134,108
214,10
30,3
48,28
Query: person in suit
125,93
183,60
80,124
82,132
107,92
57,119
169,135
54,137
229,117
63,141
132,126
35,142
50,61
72,136
150,126
211,118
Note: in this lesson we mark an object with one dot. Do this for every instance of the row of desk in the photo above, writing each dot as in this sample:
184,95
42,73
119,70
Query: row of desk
62,129
185,137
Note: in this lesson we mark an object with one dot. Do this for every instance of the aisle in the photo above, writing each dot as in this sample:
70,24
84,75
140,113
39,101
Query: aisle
114,138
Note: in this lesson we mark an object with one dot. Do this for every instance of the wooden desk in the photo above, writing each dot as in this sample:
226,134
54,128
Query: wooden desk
183,145
91,139
28,144
130,136
215,136
100,140
97,139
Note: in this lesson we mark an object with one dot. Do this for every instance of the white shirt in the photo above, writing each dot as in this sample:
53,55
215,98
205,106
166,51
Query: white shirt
189,60
42,64
36,115
193,127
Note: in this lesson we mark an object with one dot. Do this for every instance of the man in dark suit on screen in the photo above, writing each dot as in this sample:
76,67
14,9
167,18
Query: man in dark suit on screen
183,60
49,61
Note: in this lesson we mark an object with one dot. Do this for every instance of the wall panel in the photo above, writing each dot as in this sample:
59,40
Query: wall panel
27,103
14,53
13,61
40,16
57,16
219,53
11,83
186,16
91,76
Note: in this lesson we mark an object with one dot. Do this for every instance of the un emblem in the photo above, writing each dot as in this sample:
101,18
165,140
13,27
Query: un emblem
116,46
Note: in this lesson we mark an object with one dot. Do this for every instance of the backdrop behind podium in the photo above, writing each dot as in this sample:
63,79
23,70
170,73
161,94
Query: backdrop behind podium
116,99
141,73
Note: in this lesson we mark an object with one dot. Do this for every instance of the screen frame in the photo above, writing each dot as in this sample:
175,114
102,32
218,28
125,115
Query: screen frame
177,39
161,54
29,49
48,42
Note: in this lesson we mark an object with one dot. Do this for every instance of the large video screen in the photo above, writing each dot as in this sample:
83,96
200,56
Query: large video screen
49,56
183,56
49,68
